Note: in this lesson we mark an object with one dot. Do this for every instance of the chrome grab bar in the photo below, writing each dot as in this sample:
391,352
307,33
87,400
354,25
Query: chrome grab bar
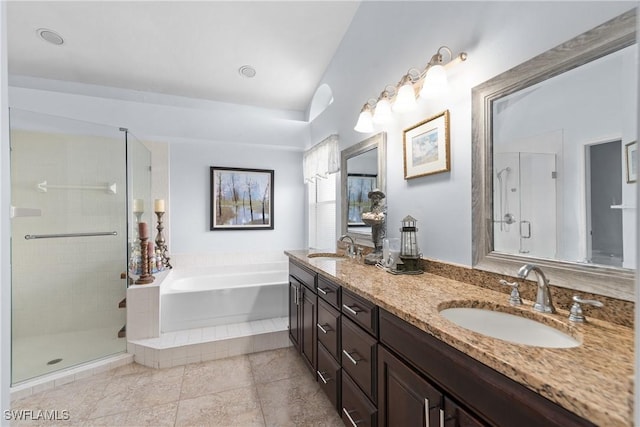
55,236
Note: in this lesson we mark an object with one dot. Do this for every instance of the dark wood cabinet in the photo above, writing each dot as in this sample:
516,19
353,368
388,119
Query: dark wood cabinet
361,311
329,376
329,328
294,311
475,391
303,313
329,291
404,397
359,356
357,410
308,336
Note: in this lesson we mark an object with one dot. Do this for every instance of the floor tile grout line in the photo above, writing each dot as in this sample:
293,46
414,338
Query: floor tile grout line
255,386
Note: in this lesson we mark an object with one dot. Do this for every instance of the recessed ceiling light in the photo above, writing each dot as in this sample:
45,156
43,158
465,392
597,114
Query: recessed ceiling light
247,71
50,36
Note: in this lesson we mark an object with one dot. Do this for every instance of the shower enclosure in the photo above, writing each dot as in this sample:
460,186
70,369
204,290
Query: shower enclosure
525,203
71,185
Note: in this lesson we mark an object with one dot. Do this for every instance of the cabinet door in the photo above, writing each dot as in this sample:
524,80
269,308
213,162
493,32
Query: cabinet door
456,416
308,326
404,397
294,312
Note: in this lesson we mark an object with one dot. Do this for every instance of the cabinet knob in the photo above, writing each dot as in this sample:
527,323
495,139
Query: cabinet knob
575,314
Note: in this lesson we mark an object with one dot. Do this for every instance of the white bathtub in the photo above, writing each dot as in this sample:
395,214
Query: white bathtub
223,295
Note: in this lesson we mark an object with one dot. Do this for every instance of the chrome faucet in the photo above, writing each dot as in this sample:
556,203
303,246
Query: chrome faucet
543,298
352,246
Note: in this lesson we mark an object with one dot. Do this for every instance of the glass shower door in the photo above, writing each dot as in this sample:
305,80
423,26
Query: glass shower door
69,242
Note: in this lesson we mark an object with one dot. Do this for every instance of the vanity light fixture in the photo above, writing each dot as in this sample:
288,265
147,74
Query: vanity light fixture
382,114
431,82
365,119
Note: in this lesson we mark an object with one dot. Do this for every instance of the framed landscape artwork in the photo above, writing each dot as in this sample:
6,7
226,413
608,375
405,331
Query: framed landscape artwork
426,147
241,199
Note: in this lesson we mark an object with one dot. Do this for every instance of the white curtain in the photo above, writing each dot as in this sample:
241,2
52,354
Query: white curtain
321,160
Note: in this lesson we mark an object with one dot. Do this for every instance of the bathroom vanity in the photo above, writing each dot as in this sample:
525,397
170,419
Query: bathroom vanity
384,355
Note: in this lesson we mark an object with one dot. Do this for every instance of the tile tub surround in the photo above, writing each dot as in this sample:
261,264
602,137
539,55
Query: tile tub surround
594,380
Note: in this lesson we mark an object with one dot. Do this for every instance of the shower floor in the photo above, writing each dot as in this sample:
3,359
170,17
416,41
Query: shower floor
31,354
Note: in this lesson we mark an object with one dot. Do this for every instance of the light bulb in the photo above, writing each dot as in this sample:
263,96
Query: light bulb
383,114
435,82
406,99
365,122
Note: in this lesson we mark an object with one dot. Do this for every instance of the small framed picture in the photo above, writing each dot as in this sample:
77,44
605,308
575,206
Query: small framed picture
631,156
426,147
241,199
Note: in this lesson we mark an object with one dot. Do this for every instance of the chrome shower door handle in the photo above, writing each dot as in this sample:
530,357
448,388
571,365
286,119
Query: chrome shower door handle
528,229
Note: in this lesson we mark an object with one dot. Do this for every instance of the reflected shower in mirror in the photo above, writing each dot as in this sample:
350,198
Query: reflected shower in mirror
549,178
558,154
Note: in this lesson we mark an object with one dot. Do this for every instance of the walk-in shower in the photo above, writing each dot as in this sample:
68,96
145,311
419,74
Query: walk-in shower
70,186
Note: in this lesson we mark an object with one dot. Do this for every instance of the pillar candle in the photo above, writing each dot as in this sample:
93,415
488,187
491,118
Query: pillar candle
143,230
150,248
138,205
158,205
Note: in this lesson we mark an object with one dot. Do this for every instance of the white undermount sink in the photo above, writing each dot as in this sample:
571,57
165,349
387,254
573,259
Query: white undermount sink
509,327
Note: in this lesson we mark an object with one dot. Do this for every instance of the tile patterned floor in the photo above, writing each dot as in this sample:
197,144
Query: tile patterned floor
272,388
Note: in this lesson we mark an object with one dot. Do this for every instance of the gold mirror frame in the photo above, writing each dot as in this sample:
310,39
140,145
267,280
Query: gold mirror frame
602,40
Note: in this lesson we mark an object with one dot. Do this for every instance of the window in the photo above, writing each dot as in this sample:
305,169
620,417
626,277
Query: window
322,212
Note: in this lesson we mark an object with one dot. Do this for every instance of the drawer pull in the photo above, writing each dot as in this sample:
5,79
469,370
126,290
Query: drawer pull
324,331
324,380
426,412
346,353
441,417
353,423
322,291
350,310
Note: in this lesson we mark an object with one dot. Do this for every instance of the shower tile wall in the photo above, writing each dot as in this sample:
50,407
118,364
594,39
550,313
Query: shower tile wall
68,284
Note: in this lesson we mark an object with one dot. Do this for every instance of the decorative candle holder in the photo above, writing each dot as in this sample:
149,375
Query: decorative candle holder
146,277
161,247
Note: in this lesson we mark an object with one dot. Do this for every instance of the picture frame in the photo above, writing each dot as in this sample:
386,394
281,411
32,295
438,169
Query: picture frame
426,147
358,188
631,161
241,199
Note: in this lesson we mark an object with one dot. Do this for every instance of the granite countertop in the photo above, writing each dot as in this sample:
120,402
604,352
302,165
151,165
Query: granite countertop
594,380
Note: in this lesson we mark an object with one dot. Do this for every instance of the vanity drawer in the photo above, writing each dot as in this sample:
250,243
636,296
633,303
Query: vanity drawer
358,357
361,311
357,410
329,374
306,277
329,291
329,328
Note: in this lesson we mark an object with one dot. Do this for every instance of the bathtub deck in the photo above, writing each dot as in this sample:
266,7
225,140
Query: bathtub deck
210,343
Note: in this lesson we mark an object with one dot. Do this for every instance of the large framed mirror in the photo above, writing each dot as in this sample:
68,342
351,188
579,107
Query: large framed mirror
363,167
550,138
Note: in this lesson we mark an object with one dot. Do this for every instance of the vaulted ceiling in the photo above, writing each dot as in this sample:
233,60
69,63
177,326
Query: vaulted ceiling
192,49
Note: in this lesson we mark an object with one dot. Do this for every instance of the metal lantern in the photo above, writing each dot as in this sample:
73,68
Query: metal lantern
409,252
408,238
